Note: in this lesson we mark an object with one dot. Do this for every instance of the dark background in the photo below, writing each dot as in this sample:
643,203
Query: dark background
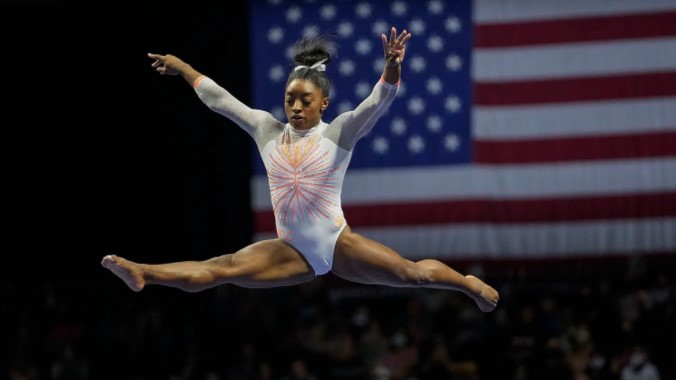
107,156
103,155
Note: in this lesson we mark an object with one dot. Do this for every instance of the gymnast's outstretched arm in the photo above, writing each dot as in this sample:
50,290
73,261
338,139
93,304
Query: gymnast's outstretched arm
257,123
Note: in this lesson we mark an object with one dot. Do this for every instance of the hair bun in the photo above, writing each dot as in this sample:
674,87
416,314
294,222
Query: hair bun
313,47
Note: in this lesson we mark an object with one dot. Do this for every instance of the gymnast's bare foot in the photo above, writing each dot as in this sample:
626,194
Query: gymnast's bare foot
128,271
483,294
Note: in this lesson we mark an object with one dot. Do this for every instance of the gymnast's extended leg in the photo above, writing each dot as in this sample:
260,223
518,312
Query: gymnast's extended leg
366,261
264,264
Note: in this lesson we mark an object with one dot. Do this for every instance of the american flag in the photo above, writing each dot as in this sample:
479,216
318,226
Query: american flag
522,129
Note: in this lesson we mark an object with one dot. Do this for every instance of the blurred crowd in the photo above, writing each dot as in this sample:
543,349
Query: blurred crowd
580,326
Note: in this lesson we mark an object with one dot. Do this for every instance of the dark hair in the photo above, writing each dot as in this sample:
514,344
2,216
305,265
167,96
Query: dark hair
310,49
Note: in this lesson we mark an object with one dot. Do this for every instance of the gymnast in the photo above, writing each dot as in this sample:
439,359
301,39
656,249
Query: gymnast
306,160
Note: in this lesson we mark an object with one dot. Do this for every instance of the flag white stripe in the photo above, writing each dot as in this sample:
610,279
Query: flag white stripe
574,60
467,241
574,119
500,11
617,177
501,241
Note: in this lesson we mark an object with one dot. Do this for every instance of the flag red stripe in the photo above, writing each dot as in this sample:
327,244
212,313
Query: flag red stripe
575,89
576,148
502,211
575,30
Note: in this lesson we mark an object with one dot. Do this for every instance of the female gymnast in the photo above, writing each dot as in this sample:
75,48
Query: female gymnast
306,160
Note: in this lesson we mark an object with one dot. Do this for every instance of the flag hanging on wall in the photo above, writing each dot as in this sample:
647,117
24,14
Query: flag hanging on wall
522,129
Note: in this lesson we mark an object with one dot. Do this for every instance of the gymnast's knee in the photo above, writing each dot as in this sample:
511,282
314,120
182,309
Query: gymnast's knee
417,275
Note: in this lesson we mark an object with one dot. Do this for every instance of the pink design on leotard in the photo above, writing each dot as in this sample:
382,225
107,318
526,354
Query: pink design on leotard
299,176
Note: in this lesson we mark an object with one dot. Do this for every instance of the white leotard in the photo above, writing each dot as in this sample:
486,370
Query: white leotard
305,168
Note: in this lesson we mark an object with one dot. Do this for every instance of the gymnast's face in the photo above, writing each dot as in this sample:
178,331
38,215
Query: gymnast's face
304,104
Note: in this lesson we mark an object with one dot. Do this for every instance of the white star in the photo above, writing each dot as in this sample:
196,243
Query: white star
345,29
362,89
278,113
416,105
451,142
380,145
363,46
435,7
402,89
398,126
310,30
363,10
416,144
417,26
293,14
453,24
276,73
380,27
453,62
328,11
453,104
332,90
433,85
289,51
434,123
378,65
346,67
345,106
275,34
418,63
399,8
435,43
